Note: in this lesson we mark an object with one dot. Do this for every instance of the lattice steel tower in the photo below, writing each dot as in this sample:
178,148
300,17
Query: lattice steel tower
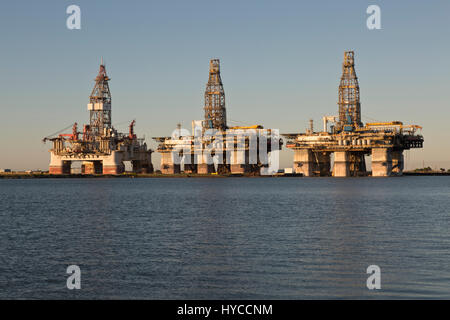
349,104
100,103
215,113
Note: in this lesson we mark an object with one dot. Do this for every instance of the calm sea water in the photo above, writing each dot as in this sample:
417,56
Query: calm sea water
236,238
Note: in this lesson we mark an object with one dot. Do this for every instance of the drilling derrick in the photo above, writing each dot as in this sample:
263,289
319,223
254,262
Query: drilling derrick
215,113
349,104
100,104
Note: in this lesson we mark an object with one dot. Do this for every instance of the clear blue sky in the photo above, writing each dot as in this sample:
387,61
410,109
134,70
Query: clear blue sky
280,60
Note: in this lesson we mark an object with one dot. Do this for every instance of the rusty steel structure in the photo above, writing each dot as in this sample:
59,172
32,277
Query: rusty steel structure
213,147
101,149
100,103
215,112
350,141
349,101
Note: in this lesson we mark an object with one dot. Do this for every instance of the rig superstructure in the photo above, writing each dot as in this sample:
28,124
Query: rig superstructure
101,148
350,141
212,146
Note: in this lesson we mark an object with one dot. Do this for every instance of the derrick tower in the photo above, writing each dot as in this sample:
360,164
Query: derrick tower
215,113
349,104
100,103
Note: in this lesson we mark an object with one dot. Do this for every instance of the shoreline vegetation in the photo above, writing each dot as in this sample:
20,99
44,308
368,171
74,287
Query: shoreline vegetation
45,175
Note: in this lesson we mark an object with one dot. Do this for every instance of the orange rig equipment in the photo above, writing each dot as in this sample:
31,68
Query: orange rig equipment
131,134
72,136
87,132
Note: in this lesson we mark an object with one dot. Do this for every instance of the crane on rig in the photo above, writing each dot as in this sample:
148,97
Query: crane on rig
59,134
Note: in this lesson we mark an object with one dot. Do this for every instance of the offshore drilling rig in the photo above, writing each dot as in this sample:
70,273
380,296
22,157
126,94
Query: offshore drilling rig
101,149
350,140
213,147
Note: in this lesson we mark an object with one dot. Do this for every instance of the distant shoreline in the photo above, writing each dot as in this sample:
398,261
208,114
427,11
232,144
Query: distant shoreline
127,175
426,173
181,175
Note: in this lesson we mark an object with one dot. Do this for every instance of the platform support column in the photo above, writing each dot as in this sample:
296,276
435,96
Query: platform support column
189,163
239,162
381,162
321,164
303,162
397,162
59,166
113,164
167,164
205,164
341,166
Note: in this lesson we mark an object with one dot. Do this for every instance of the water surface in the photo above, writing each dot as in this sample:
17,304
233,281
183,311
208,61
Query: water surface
234,238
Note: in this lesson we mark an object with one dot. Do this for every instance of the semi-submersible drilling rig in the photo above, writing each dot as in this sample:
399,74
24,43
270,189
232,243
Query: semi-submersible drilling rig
213,147
101,149
350,140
